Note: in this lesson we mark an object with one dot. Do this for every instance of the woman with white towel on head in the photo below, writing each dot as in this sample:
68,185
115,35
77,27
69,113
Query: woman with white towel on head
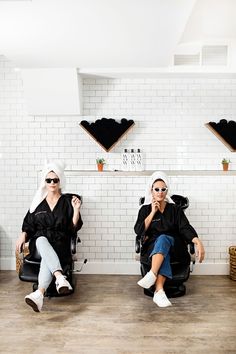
48,223
163,225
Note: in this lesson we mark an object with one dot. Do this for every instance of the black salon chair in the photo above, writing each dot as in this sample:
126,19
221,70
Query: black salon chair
29,268
174,287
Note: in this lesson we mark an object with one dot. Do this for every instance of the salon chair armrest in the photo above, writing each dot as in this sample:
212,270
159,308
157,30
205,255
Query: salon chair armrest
137,244
191,248
74,240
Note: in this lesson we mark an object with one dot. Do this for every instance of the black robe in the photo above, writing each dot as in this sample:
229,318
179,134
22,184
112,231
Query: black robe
55,225
171,222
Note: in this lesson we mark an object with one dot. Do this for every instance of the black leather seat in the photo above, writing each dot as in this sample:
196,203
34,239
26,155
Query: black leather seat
174,287
30,265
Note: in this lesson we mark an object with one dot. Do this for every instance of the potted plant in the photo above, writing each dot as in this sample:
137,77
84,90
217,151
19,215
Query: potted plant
100,163
225,164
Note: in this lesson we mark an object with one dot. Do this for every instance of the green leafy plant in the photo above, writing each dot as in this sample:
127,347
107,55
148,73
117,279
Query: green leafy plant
224,160
100,160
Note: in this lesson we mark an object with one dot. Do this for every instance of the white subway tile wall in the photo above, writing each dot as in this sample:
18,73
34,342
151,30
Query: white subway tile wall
169,114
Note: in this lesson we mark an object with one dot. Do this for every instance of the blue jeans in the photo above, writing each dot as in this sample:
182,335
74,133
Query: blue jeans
162,245
49,262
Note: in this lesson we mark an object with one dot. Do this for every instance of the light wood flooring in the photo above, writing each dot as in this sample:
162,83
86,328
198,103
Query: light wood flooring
110,315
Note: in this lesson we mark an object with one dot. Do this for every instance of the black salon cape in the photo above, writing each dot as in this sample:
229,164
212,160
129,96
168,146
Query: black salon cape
56,226
171,222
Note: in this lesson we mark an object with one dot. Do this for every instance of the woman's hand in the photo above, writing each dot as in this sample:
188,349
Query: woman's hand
200,249
20,241
75,202
155,205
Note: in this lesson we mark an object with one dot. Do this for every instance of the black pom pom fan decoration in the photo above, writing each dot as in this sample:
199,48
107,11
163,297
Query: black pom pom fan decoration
107,131
225,131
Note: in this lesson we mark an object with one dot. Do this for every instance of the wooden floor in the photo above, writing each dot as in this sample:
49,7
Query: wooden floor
109,314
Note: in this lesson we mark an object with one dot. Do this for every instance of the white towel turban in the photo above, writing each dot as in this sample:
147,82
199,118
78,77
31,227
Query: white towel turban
58,167
148,193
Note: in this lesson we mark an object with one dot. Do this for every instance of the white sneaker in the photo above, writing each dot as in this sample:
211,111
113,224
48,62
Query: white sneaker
148,280
62,285
35,300
161,299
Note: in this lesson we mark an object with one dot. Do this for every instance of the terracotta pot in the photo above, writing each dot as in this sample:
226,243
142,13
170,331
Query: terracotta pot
100,167
225,166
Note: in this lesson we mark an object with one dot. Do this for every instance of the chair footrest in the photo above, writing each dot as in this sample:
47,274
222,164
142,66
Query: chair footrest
27,261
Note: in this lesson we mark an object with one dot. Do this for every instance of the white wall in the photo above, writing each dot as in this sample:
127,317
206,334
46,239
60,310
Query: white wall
169,114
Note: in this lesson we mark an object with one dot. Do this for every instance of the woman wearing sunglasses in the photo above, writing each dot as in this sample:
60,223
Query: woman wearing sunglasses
163,225
52,217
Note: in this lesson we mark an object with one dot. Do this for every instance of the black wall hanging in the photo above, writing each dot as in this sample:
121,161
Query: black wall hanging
225,131
106,131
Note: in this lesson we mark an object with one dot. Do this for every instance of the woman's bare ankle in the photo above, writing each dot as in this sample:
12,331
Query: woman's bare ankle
153,271
57,273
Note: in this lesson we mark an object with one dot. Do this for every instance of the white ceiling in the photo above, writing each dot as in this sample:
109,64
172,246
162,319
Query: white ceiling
100,34
211,20
92,33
